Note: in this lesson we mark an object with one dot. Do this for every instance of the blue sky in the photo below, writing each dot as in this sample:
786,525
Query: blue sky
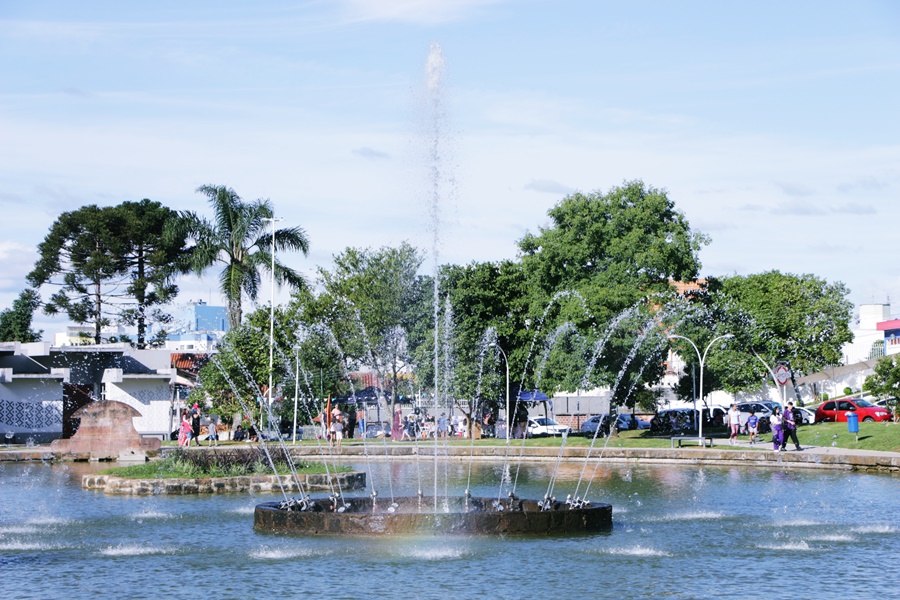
771,124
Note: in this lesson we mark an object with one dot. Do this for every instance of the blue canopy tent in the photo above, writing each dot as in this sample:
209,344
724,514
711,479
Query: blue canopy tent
533,396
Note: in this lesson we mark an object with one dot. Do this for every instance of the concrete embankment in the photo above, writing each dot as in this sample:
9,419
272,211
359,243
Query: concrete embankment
220,485
811,458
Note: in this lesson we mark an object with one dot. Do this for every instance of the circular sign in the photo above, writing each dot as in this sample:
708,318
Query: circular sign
782,374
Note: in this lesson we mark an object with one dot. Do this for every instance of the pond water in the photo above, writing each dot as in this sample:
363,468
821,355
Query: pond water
679,532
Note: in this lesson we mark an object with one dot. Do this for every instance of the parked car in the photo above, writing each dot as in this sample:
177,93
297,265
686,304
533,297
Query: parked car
684,419
378,430
836,410
624,422
673,420
808,417
590,426
544,426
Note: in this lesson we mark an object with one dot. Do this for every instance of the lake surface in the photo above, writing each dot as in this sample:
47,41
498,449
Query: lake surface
679,532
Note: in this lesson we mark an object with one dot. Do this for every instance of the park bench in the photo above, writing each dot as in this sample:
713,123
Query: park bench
681,441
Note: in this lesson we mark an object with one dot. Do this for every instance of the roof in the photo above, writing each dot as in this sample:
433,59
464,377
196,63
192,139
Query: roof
189,361
835,372
888,325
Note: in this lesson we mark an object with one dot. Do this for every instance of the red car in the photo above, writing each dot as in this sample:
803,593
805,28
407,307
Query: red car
865,409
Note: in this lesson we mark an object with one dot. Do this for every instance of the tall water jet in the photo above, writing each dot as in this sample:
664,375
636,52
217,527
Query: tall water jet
463,514
434,74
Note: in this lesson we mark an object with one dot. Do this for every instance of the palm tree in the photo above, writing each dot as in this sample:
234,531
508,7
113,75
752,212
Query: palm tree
240,237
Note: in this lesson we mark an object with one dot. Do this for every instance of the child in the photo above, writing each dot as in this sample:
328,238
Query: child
752,426
337,428
185,432
213,435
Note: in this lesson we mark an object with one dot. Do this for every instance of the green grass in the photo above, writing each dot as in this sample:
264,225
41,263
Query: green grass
883,437
176,467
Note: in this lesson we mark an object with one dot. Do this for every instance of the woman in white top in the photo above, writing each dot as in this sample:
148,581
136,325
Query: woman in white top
734,421
775,422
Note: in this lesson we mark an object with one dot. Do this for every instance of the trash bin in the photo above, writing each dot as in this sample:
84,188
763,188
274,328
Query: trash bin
852,422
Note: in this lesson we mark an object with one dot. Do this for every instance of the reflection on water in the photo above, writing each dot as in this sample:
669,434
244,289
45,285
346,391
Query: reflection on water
679,532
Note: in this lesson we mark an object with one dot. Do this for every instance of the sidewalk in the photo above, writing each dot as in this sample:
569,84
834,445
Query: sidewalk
834,451
721,454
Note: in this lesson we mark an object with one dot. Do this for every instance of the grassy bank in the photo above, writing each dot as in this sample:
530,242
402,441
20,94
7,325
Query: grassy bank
220,463
884,437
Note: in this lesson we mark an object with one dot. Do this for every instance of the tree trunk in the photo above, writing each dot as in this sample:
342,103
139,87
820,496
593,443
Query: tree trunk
140,295
98,314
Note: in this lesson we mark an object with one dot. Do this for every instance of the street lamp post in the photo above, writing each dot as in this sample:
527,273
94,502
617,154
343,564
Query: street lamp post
506,361
271,324
296,391
702,359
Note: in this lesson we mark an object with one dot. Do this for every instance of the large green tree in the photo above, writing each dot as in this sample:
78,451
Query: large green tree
884,382
15,322
614,248
239,236
800,320
111,265
82,257
152,257
377,306
485,298
604,255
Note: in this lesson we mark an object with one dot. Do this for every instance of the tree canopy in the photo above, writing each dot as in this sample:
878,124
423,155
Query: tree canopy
799,320
239,236
603,257
110,265
377,306
15,322
884,382
613,248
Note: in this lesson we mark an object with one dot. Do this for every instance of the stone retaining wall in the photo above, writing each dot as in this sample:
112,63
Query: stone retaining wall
722,456
219,485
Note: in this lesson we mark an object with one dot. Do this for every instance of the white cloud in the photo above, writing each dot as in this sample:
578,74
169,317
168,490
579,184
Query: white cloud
427,12
548,186
371,153
855,209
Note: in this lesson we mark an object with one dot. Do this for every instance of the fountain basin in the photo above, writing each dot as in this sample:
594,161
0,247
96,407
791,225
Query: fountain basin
414,516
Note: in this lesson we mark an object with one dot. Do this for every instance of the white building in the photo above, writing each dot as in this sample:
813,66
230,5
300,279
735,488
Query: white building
42,385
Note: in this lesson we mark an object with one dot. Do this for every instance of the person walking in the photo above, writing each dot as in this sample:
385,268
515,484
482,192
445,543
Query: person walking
752,426
337,428
789,428
213,437
775,422
442,428
397,425
361,421
734,422
195,424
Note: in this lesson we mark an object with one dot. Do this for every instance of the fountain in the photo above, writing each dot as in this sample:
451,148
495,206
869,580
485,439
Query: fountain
460,515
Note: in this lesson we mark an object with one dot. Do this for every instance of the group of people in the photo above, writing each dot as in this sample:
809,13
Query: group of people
415,426
783,424
339,424
189,430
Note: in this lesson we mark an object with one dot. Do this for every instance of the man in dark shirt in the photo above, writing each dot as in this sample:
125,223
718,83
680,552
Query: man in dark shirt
789,426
